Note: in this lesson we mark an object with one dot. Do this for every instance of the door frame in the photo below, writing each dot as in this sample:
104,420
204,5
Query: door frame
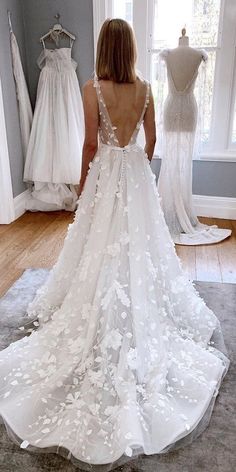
7,211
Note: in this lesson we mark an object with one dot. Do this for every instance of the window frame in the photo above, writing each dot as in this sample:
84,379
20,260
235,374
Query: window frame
220,147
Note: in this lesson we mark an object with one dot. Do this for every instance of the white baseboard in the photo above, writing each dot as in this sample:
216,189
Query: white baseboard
20,203
215,207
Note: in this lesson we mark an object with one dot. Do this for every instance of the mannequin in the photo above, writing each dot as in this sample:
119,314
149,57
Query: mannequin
184,61
179,126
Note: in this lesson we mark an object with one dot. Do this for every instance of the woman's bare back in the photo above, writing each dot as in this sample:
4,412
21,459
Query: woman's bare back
124,104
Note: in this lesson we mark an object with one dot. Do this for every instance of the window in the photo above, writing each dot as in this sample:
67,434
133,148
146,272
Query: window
210,24
232,133
123,9
201,19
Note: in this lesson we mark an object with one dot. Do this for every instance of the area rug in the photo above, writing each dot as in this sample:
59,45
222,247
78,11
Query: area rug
213,451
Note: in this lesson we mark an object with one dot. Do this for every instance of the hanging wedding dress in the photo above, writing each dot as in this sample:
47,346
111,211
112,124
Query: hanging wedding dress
127,357
175,179
24,105
54,154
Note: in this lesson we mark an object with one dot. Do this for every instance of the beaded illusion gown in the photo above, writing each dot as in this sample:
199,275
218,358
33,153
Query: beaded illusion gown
127,358
180,115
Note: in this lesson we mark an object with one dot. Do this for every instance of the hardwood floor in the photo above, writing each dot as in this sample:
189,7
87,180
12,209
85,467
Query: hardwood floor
215,262
35,240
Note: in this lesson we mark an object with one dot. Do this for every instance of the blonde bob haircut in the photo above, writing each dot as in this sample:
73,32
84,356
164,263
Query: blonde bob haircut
116,52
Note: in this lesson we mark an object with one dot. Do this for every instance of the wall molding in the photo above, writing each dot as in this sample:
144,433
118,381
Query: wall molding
20,203
6,202
102,9
205,205
215,207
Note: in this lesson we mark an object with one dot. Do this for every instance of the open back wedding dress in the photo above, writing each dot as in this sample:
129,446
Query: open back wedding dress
127,358
175,180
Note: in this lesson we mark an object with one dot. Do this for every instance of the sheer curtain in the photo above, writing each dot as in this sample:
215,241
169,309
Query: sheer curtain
7,212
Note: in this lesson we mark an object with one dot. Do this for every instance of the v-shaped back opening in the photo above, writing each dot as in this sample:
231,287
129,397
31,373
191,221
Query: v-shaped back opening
112,127
189,83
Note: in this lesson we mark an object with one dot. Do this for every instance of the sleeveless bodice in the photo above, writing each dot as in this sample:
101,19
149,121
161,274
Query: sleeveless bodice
107,132
57,60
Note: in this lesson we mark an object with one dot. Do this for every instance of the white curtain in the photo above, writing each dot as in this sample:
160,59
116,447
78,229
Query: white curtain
7,212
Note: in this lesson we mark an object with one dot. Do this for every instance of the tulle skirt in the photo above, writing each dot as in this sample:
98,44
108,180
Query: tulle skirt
125,357
55,147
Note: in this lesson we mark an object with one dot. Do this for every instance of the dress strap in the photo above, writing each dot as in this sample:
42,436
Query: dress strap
71,42
145,103
99,94
107,126
43,43
101,102
96,84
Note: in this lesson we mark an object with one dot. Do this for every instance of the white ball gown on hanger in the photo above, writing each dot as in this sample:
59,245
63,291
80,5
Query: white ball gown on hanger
175,180
127,357
53,160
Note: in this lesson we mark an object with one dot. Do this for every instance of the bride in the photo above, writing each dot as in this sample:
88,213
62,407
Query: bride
127,358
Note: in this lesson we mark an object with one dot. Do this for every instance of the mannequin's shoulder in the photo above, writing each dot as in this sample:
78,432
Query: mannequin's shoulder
200,53
203,54
164,53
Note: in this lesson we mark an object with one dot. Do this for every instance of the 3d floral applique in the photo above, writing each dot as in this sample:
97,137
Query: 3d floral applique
24,444
124,238
113,249
112,339
132,358
115,290
118,332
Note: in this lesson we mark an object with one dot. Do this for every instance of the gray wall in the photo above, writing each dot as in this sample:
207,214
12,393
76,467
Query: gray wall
8,88
76,17
210,178
31,19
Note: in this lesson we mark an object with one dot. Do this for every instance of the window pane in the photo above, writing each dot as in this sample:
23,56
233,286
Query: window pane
123,9
200,17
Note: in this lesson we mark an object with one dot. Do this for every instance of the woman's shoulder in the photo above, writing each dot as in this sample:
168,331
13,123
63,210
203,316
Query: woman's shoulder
143,83
89,84
89,88
89,91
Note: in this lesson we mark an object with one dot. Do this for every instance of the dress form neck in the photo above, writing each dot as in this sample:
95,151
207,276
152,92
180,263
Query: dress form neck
183,40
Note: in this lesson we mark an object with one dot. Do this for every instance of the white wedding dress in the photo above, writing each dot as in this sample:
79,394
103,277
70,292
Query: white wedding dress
175,179
22,94
53,160
127,357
